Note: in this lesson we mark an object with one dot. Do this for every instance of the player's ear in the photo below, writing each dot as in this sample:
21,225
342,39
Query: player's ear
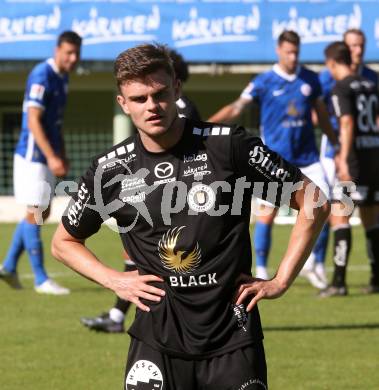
122,102
178,88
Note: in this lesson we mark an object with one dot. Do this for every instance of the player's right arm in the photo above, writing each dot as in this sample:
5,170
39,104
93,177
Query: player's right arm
129,286
230,112
233,110
81,220
55,163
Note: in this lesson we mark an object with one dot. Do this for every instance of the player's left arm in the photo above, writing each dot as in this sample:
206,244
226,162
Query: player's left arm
305,231
324,121
281,183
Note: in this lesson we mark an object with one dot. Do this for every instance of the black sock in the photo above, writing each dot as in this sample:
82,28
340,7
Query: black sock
121,304
342,246
372,237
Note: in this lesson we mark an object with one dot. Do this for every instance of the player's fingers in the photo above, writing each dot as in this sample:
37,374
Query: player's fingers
244,294
139,304
254,301
153,290
151,278
149,297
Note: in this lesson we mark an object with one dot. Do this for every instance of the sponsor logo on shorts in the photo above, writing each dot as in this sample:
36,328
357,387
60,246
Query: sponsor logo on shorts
144,374
252,382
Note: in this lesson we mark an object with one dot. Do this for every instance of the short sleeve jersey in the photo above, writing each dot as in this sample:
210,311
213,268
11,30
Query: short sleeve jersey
285,103
327,84
46,88
358,97
184,215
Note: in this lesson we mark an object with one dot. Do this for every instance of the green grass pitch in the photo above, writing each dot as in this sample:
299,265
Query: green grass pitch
310,343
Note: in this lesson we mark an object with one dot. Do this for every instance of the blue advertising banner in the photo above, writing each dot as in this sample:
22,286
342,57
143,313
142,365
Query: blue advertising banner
224,31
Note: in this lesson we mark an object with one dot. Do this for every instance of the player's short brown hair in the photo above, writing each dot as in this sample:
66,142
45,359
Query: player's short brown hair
69,37
339,52
289,36
142,60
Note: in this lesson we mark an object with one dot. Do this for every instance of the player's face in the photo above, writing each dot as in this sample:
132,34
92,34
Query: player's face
288,55
67,56
356,45
331,65
151,102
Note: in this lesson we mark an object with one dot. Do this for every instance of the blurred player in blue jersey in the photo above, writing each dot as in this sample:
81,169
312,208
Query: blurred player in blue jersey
39,158
355,40
286,96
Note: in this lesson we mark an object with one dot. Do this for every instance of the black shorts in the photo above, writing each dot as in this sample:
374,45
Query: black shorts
148,369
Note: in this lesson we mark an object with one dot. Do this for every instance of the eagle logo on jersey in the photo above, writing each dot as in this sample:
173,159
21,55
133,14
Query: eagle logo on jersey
292,110
176,260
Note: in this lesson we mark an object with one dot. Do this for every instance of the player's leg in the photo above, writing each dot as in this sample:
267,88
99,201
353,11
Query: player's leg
316,259
147,368
370,220
342,245
37,192
8,270
244,368
262,238
113,320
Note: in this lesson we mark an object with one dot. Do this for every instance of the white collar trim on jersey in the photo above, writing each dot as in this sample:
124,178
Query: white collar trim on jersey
54,66
289,77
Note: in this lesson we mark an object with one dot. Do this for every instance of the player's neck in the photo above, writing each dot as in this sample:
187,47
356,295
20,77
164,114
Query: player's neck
356,68
163,142
344,71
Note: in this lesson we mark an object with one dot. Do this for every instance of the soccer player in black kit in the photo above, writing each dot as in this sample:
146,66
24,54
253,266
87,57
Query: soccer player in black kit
355,102
180,192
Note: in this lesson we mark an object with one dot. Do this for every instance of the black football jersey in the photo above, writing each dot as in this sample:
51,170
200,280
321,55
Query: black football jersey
183,214
358,97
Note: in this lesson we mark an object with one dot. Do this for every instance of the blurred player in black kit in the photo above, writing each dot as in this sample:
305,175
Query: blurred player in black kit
180,192
355,102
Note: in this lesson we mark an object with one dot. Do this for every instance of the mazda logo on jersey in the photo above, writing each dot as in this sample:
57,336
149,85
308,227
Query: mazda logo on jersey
163,170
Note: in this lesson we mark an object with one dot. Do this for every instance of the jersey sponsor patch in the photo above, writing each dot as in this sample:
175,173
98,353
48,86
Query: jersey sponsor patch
144,375
75,211
36,91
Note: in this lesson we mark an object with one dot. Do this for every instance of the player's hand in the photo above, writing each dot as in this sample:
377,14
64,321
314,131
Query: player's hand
132,287
343,172
57,166
250,290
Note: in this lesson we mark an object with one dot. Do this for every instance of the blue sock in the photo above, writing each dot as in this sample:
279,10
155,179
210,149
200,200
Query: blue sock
262,243
321,245
33,245
15,250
